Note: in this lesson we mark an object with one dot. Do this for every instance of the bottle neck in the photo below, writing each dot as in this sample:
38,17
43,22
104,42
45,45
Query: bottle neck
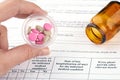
95,34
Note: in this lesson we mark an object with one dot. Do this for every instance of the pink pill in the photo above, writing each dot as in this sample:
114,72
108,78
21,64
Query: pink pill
35,31
40,37
32,36
47,26
38,42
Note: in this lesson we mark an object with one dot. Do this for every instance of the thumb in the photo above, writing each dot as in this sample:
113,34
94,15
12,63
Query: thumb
20,54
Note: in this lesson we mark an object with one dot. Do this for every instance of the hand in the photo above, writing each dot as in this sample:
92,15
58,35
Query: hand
11,57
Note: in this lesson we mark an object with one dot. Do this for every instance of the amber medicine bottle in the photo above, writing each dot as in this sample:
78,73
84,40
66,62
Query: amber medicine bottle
105,24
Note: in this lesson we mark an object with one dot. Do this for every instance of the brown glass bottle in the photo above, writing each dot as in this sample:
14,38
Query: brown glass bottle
105,24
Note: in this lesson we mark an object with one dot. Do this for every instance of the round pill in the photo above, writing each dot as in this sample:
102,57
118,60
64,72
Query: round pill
47,32
29,30
39,28
32,36
39,42
40,37
47,26
46,38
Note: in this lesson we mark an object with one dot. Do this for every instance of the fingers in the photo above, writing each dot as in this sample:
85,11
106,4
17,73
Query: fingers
3,38
8,8
20,54
18,8
23,53
30,9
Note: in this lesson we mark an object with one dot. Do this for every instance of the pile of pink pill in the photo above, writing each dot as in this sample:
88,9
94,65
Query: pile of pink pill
39,34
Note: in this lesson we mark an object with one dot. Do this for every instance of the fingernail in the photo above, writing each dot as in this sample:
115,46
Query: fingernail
44,51
45,12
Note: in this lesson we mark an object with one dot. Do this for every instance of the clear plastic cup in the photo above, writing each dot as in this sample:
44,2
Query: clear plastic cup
36,34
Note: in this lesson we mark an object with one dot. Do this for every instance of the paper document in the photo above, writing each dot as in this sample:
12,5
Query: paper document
73,56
